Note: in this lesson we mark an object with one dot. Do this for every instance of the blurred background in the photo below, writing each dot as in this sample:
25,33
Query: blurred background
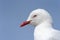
13,12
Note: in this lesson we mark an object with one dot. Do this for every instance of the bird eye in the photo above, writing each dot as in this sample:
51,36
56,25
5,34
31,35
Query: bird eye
34,15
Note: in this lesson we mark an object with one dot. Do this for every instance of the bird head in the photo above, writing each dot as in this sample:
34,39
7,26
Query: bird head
37,17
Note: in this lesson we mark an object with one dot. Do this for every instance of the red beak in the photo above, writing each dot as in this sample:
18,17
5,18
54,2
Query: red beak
25,23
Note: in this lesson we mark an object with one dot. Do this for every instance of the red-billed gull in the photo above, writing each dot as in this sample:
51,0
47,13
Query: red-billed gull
42,21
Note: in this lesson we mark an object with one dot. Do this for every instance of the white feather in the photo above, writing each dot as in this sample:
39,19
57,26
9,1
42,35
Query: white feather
43,25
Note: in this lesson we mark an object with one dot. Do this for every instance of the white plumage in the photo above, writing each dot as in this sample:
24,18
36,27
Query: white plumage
43,25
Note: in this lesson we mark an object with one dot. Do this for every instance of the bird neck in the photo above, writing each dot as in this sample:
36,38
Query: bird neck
43,31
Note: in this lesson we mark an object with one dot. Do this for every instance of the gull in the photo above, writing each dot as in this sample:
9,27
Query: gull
43,23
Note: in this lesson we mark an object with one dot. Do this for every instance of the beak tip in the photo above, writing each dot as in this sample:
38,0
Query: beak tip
21,25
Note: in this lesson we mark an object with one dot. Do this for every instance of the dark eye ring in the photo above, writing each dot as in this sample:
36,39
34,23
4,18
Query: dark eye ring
34,15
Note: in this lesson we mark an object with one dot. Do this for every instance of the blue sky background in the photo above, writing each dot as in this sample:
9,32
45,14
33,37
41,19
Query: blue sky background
13,12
